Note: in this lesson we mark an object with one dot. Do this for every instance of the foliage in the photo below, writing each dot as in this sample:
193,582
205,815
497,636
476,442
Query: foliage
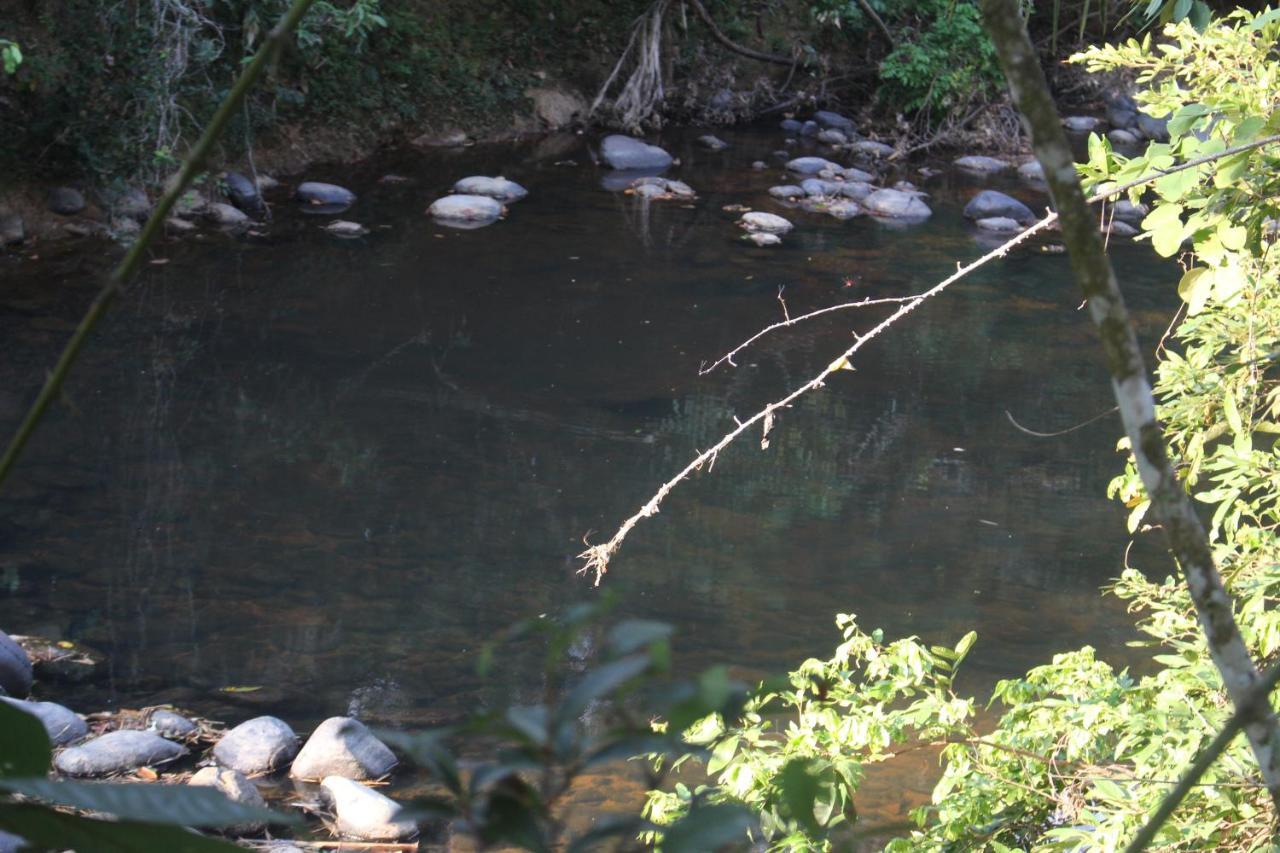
10,55
795,755
139,818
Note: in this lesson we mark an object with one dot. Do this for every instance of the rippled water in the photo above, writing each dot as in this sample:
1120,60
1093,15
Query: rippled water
331,469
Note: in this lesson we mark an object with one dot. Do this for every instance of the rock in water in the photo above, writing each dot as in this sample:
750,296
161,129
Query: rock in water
117,752
786,192
1080,124
1155,129
12,230
790,125
811,165
852,174
244,194
765,222
226,215
466,208
260,745
1121,136
1127,211
341,746
63,725
1119,228
627,152
870,148
235,787
856,190
170,725
712,142
895,204
65,201
999,224
981,165
346,229
10,843
990,203
364,814
832,137
498,188
15,667
761,238
324,198
132,203
816,187
1031,171
833,121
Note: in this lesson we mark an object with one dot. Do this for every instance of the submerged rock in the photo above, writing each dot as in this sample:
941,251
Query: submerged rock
63,725
226,215
497,188
466,208
257,746
235,786
653,187
811,165
117,752
816,187
786,192
856,190
767,222
16,672
763,238
627,152
346,229
1081,124
1031,171
895,204
244,194
990,203
65,201
999,224
172,725
10,843
871,148
712,142
979,165
324,198
342,746
364,814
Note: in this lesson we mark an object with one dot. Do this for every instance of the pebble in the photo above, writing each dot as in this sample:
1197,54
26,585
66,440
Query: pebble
342,746
257,746
117,752
364,814
63,725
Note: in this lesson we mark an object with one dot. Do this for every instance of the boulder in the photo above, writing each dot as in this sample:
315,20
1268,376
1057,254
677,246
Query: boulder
556,108
832,137
171,725
895,204
872,149
1155,129
1031,171
815,187
65,201
1121,136
766,222
257,746
345,229
12,230
791,126
1081,124
466,208
244,194
786,192
1120,228
365,815
497,188
1121,112
811,165
833,121
235,786
63,725
989,203
999,224
324,198
15,666
762,238
117,752
627,152
342,746
226,215
979,165
856,190
712,142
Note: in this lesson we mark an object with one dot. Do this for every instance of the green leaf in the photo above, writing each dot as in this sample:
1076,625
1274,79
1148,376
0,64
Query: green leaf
47,829
1195,287
799,790
1233,237
1185,117
530,722
627,637
180,805
24,744
598,684
722,754
1165,225
707,828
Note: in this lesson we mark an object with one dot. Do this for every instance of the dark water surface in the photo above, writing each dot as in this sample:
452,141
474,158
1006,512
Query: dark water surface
332,469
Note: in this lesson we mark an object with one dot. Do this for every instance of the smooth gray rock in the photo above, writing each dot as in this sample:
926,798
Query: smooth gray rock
833,121
12,230
1121,136
63,725
841,208
466,208
767,222
365,815
763,238
990,203
65,201
759,165
117,752
342,746
811,165
10,843
1081,124
853,174
178,225
856,190
244,194
15,665
496,188
1155,129
815,187
712,142
832,137
810,128
1031,171
895,204
790,125
345,229
999,224
235,787
1122,111
786,192
872,149
329,197
1127,211
257,746
1120,228
171,725
627,152
980,165
226,215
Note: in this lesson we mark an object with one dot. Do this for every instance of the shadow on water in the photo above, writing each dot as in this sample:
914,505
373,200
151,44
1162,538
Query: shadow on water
332,469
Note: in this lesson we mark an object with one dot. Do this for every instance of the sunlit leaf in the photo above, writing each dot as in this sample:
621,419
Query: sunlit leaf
181,805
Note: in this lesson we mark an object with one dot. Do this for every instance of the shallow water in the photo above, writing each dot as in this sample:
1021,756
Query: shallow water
331,469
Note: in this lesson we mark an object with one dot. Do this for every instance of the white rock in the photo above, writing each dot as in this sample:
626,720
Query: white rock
894,204
345,228
761,238
341,746
767,222
257,746
466,208
981,165
498,188
364,814
999,224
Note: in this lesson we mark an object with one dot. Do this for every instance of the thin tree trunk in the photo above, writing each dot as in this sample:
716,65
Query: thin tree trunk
1170,505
